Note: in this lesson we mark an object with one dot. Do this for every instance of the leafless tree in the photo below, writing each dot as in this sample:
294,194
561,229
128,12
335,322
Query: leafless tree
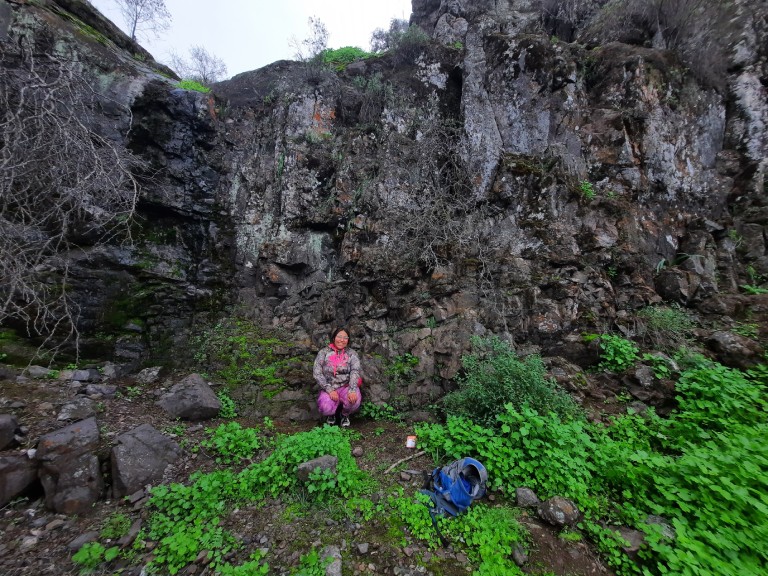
145,16
62,185
383,40
434,219
313,45
201,66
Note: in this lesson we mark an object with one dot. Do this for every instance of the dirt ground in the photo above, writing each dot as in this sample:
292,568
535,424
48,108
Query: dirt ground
36,541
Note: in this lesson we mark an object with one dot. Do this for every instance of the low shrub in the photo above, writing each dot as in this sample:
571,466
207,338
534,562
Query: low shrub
493,376
193,85
665,327
340,58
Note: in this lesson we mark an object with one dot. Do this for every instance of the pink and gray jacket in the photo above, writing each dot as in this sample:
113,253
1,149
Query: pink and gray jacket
335,369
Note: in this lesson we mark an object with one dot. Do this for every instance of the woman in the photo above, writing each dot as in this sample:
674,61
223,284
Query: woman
337,372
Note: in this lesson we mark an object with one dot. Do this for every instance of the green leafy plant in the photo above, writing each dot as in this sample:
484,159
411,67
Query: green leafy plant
322,484
659,364
115,526
382,411
494,376
700,469
401,367
311,564
748,330
239,353
193,85
340,58
228,407
754,290
587,190
231,442
132,392
184,518
92,554
255,566
617,353
177,429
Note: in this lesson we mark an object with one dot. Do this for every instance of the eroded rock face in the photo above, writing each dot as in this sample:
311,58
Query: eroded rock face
492,182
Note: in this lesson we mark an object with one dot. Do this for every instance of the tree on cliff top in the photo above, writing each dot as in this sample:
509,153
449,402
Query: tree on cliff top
201,66
145,15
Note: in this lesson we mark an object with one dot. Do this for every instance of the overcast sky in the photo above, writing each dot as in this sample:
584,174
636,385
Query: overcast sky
249,34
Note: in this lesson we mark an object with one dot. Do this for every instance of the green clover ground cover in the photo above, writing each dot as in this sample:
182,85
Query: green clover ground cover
704,469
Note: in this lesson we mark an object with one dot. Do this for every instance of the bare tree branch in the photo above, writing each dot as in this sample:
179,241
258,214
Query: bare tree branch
62,184
201,66
145,16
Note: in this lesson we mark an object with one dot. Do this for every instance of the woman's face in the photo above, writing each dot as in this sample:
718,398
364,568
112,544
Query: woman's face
341,339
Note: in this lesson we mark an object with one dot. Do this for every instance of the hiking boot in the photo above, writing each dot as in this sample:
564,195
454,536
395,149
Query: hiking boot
331,421
345,421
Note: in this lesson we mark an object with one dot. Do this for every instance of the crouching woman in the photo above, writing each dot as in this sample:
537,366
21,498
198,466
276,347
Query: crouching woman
337,372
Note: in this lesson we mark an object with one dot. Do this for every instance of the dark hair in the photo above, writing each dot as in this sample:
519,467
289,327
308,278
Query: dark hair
338,329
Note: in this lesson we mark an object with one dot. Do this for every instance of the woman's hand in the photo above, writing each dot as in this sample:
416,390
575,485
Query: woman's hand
334,395
352,397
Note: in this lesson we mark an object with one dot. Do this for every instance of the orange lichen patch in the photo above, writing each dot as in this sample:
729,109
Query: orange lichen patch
322,119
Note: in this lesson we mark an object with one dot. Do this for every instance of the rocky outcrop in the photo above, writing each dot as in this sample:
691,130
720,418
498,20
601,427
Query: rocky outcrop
496,180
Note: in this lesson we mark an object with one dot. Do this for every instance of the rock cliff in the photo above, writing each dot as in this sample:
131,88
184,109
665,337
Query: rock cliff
493,180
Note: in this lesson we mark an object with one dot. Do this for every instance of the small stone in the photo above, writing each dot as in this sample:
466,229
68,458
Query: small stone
362,548
405,477
202,556
78,542
462,558
408,551
29,542
519,556
136,496
357,451
55,524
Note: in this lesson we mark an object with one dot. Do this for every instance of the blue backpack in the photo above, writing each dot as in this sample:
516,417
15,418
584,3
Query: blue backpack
454,487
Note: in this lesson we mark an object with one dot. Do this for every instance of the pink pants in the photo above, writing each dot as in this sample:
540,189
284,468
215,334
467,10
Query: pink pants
328,407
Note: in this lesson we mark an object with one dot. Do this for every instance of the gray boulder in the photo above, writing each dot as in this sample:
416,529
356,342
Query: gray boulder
105,390
69,468
526,498
559,511
37,372
149,375
191,399
735,350
323,462
140,458
71,441
72,485
79,409
17,474
86,375
8,425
